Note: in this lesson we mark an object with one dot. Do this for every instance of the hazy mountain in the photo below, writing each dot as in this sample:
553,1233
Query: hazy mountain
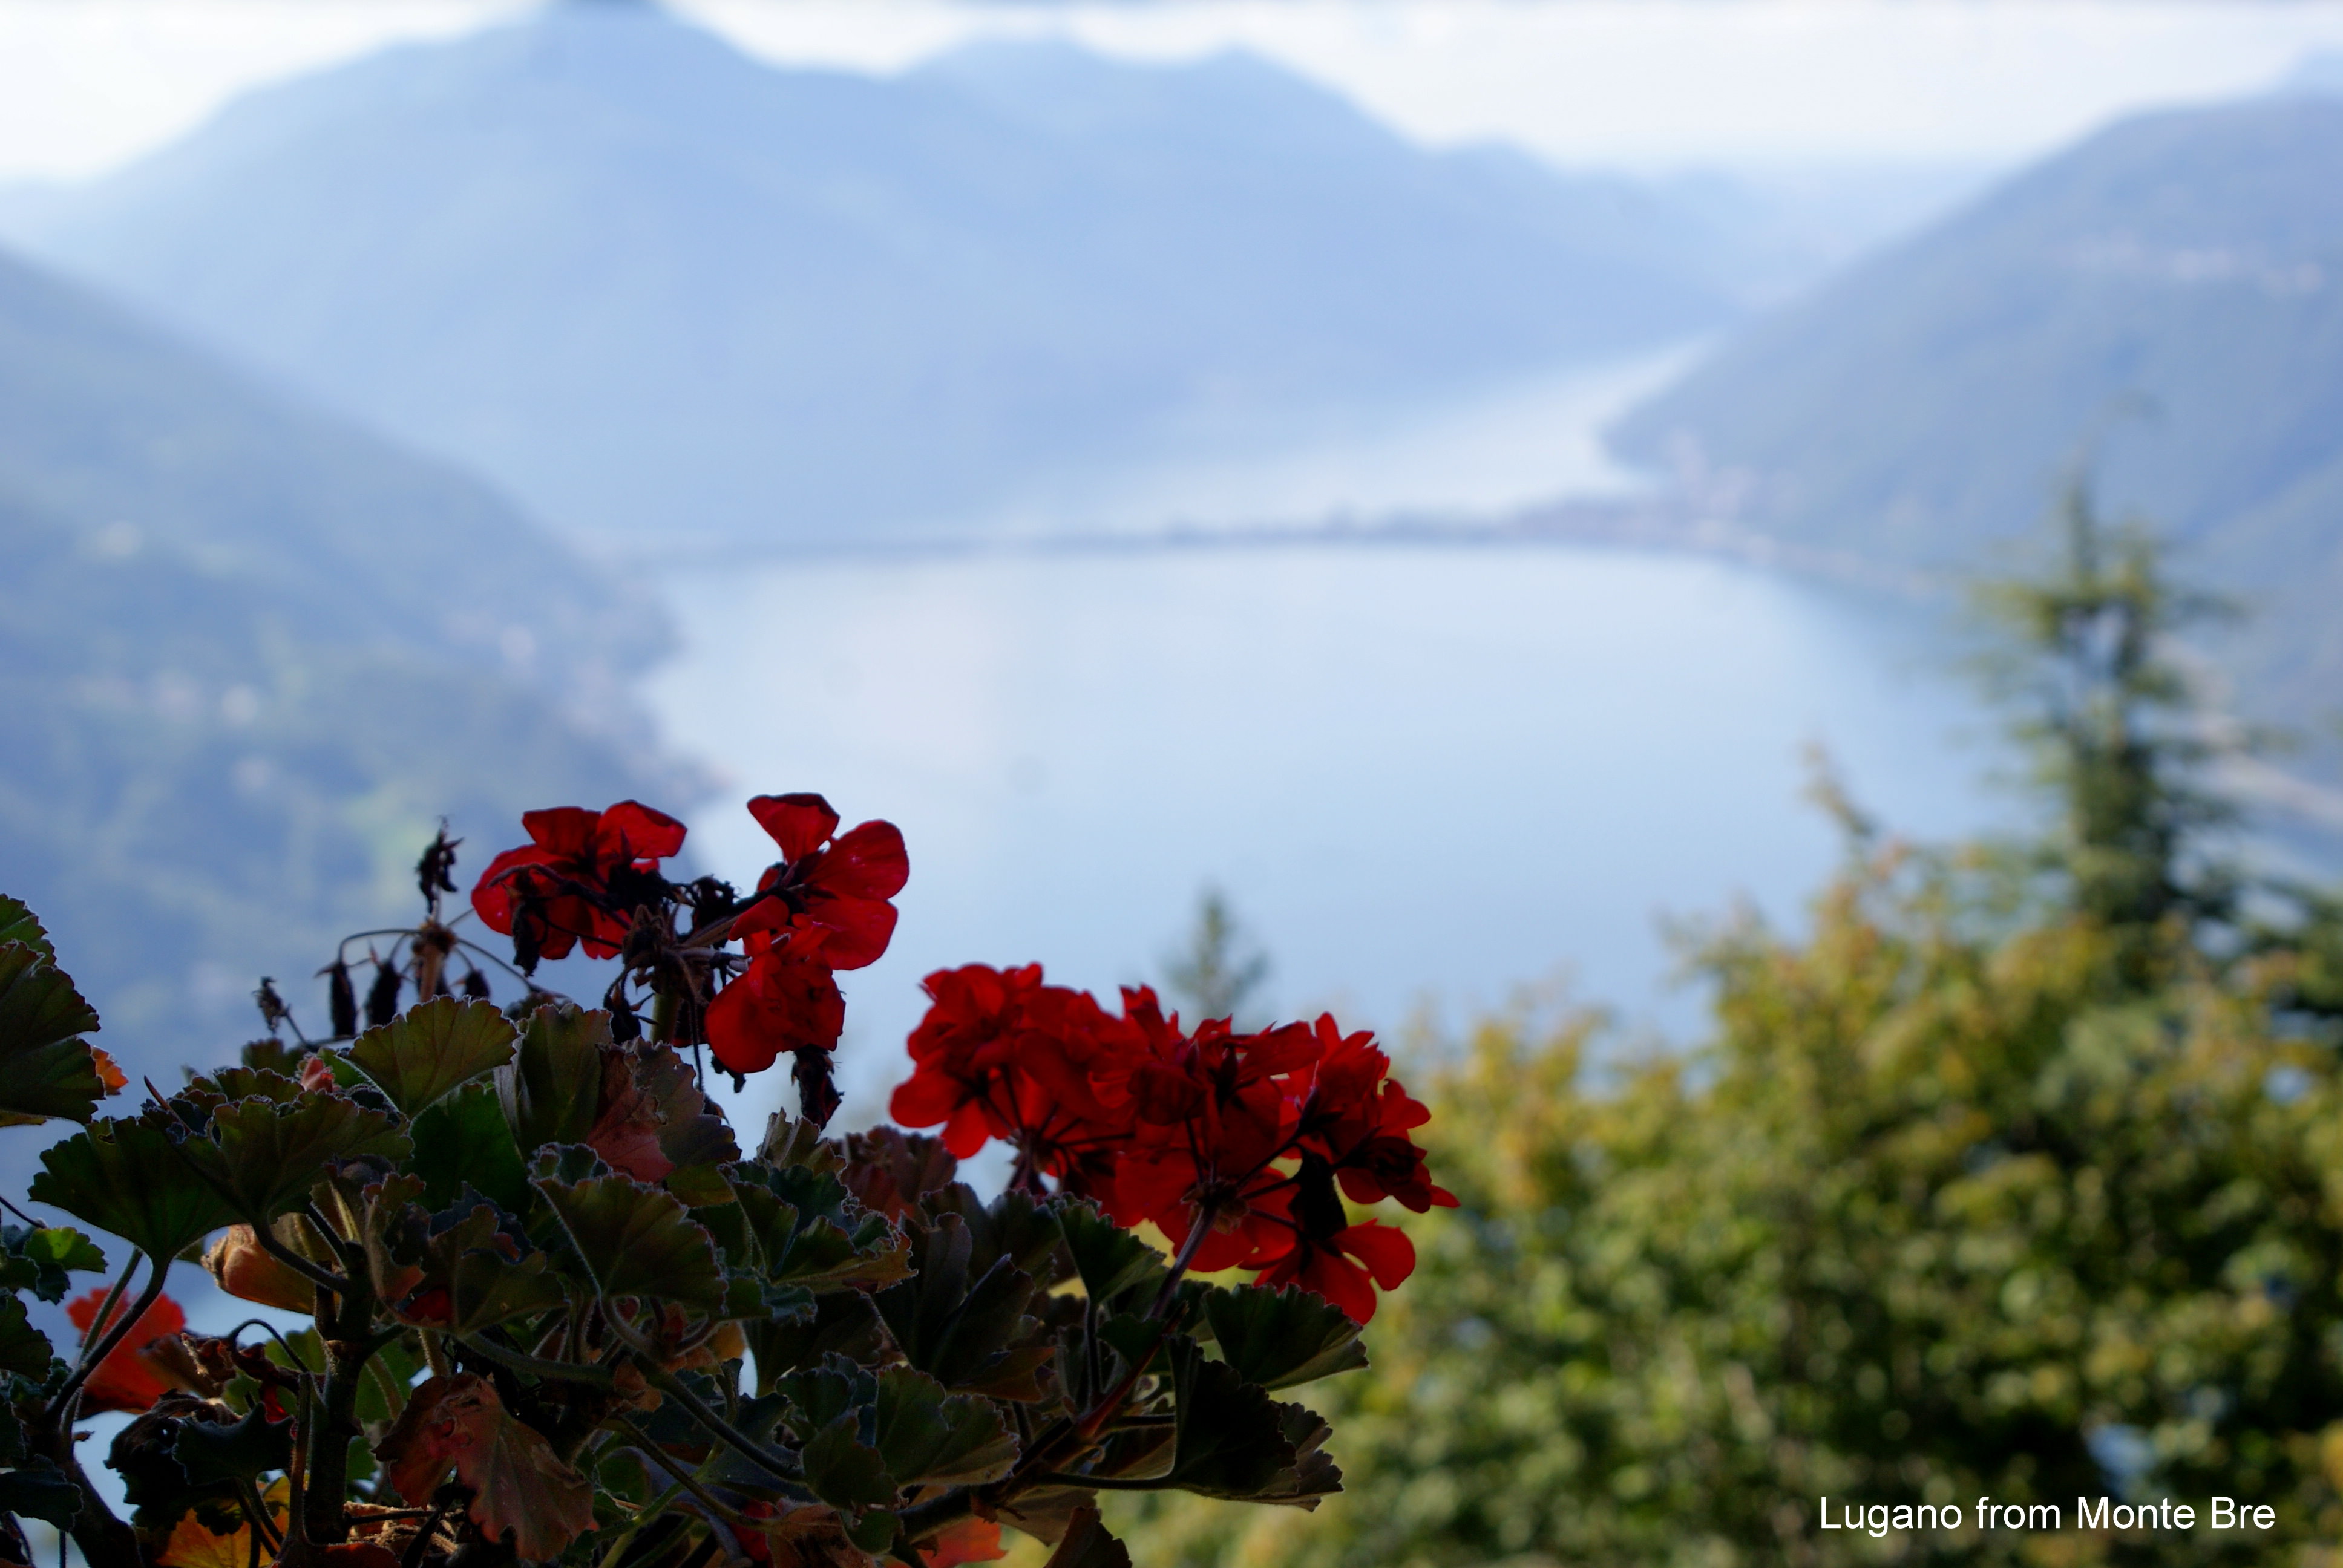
653,286
2168,294
249,656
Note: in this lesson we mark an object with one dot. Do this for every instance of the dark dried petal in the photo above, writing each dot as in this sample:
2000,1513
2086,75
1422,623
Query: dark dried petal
817,1097
272,1011
341,999
382,996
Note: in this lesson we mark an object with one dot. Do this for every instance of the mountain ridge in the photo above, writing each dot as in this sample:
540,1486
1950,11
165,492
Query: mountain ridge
652,286
2159,308
250,657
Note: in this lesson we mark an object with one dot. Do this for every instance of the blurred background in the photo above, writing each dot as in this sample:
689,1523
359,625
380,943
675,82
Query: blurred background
1431,472
1440,479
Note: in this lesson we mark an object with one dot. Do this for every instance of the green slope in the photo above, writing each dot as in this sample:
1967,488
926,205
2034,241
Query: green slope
2169,293
248,657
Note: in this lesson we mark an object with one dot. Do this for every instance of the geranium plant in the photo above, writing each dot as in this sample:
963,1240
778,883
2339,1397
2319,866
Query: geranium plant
556,1310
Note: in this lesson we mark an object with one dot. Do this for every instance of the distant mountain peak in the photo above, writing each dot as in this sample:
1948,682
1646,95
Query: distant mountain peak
655,286
1061,86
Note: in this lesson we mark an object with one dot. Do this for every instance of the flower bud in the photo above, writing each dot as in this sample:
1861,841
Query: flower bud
246,1269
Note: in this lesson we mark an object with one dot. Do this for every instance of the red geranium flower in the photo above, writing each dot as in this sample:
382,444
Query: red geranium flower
1250,1215
785,1000
1210,1114
1357,1116
1001,1055
579,879
1326,1266
124,1380
1330,1256
840,884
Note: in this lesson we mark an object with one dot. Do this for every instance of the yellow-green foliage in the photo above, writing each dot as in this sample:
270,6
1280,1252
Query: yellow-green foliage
1941,1197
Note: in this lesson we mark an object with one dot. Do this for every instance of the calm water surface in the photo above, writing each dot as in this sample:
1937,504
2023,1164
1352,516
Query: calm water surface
1424,775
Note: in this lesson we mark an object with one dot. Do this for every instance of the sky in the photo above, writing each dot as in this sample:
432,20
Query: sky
86,84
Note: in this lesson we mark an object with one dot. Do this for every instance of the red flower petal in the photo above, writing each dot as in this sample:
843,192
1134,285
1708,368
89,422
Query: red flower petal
781,1004
925,1098
563,829
1328,1274
492,894
631,830
1387,1252
860,930
798,823
866,862
124,1380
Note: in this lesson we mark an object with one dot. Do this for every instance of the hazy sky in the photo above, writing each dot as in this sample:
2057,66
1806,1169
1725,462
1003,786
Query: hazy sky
85,83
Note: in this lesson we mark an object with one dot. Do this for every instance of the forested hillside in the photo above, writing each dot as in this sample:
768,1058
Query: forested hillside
249,657
2164,301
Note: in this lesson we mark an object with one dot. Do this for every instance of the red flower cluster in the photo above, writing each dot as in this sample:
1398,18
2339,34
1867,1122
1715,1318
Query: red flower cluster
822,908
578,881
587,878
1238,1147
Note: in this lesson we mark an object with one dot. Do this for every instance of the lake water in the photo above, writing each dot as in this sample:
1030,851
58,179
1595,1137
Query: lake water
1425,775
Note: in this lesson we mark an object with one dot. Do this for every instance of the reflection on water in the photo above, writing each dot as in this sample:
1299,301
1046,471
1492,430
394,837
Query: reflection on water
1418,772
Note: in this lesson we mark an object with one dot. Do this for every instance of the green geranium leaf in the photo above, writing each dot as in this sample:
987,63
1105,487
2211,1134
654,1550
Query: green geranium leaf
203,1095
843,1323
1087,1544
1096,1354
701,1186
874,1532
41,1260
845,1472
793,1143
639,1241
212,1452
810,1231
1315,1473
759,1419
46,1069
968,1333
565,1163
748,1298
126,1178
19,924
428,1050
472,1278
267,1155
552,1088
1013,1225
927,1436
1233,1441
1117,1269
40,1490
24,1349
818,1395
1049,1514
464,1140
726,1225
690,1132
1280,1338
